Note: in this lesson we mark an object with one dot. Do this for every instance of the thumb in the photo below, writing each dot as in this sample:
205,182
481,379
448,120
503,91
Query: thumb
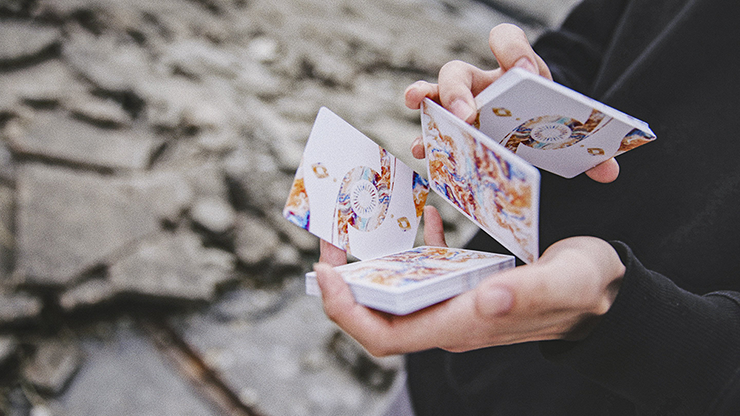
511,48
433,228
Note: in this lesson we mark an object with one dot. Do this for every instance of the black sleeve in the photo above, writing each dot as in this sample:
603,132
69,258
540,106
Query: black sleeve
574,52
666,350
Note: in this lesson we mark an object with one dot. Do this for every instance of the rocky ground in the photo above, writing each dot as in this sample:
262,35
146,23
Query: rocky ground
147,150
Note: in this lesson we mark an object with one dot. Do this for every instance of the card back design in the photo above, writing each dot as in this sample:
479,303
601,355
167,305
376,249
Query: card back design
353,193
553,127
489,184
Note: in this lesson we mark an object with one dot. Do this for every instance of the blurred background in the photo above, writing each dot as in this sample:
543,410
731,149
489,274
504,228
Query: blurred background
147,151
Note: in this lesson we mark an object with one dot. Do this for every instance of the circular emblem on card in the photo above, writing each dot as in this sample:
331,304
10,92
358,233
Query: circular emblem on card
552,132
549,132
364,198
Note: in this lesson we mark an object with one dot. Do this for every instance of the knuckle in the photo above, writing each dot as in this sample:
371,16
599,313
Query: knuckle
453,66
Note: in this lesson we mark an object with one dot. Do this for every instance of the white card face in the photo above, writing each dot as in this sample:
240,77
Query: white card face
354,194
554,127
492,186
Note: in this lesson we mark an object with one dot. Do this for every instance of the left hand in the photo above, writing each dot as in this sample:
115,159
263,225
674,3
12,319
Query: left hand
459,82
561,296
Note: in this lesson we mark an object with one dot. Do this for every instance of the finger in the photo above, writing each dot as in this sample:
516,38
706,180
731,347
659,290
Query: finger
331,254
335,292
416,92
459,82
511,48
417,148
369,327
604,172
433,228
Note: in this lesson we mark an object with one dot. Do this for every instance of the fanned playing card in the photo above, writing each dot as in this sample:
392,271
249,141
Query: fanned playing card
405,282
553,127
492,186
353,193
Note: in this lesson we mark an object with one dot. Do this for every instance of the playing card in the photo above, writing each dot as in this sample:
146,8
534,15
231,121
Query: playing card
553,127
492,186
404,282
354,194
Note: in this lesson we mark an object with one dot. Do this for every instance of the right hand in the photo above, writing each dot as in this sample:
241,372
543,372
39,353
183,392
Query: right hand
460,82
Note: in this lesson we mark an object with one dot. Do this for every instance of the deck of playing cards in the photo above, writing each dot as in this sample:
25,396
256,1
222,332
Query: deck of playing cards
553,127
405,282
354,194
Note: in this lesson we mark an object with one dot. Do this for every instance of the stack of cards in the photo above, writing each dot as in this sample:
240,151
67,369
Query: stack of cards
414,279
354,194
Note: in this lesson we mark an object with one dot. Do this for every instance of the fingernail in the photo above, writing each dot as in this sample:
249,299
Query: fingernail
461,109
496,300
417,148
527,65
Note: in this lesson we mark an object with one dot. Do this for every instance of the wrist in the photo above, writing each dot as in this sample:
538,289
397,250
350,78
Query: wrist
607,272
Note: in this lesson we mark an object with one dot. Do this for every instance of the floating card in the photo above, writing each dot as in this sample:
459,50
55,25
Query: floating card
354,194
405,282
553,127
492,186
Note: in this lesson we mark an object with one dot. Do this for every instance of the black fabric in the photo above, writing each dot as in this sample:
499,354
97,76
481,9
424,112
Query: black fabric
668,346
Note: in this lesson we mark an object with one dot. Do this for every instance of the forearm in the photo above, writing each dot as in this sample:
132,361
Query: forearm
659,346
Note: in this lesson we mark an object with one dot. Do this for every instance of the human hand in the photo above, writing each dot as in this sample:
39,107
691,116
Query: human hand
561,296
459,82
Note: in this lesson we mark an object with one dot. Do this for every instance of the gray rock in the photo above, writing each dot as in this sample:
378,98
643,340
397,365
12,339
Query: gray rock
286,257
124,374
107,113
89,293
298,237
251,159
53,365
20,42
378,373
18,308
215,215
264,192
55,136
167,98
174,268
255,240
199,58
250,304
203,115
220,141
167,192
286,139
7,238
255,356
70,222
263,49
207,180
550,13
48,82
106,62
8,349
